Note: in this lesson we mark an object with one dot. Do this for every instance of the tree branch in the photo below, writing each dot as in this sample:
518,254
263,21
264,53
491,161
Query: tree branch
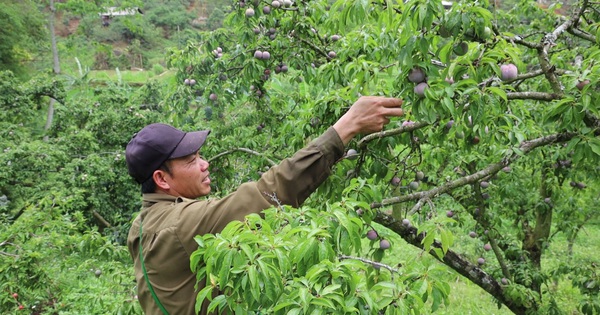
313,46
370,262
242,150
540,96
582,34
452,259
535,73
101,218
392,132
525,147
519,40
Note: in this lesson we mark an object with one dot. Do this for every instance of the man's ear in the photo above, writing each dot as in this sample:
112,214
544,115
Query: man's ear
159,179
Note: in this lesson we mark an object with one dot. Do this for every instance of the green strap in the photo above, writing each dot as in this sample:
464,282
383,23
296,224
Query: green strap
162,308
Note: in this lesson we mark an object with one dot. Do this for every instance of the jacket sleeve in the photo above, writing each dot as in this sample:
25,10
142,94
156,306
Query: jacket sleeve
292,181
295,178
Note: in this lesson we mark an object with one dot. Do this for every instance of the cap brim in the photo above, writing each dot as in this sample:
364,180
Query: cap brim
191,143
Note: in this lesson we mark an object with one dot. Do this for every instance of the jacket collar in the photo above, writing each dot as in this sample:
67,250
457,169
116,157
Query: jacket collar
149,199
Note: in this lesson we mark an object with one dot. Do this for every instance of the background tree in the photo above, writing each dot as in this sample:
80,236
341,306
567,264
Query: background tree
22,31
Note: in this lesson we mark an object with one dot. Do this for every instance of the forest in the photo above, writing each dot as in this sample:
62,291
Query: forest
484,198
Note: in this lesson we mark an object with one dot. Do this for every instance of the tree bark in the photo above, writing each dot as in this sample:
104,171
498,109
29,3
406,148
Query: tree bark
56,68
537,237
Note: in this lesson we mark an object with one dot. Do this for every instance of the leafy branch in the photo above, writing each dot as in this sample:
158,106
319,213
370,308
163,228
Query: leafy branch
524,148
273,163
392,132
370,262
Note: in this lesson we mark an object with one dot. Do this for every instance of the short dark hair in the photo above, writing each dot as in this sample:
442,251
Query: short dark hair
149,186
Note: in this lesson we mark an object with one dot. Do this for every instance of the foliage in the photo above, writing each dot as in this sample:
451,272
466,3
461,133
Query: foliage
170,15
22,30
306,261
502,157
90,266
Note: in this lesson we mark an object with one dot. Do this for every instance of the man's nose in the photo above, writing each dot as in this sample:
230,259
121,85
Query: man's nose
204,164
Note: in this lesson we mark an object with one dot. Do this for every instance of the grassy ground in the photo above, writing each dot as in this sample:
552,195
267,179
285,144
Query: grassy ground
135,78
467,298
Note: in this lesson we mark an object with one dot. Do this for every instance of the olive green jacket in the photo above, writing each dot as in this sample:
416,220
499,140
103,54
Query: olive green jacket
171,223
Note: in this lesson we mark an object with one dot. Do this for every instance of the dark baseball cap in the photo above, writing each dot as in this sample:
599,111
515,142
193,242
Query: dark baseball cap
154,144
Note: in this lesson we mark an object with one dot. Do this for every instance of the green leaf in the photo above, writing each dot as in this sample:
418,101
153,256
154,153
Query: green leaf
428,240
594,144
498,91
447,239
204,294
254,282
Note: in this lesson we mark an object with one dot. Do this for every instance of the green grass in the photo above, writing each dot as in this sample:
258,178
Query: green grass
128,76
467,298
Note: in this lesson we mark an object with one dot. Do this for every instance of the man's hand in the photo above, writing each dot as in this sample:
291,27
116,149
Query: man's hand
367,115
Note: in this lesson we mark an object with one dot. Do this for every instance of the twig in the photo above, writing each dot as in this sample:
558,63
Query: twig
499,257
101,218
370,262
519,40
242,150
453,260
411,127
313,46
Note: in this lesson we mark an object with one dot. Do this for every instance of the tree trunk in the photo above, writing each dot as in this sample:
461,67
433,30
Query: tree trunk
537,237
50,115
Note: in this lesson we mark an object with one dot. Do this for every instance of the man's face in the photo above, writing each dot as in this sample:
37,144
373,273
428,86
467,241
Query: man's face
188,177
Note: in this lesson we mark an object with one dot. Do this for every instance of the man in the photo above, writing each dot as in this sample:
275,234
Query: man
167,163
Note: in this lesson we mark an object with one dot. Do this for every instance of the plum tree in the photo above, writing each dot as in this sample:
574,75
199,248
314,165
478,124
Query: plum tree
249,12
472,97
